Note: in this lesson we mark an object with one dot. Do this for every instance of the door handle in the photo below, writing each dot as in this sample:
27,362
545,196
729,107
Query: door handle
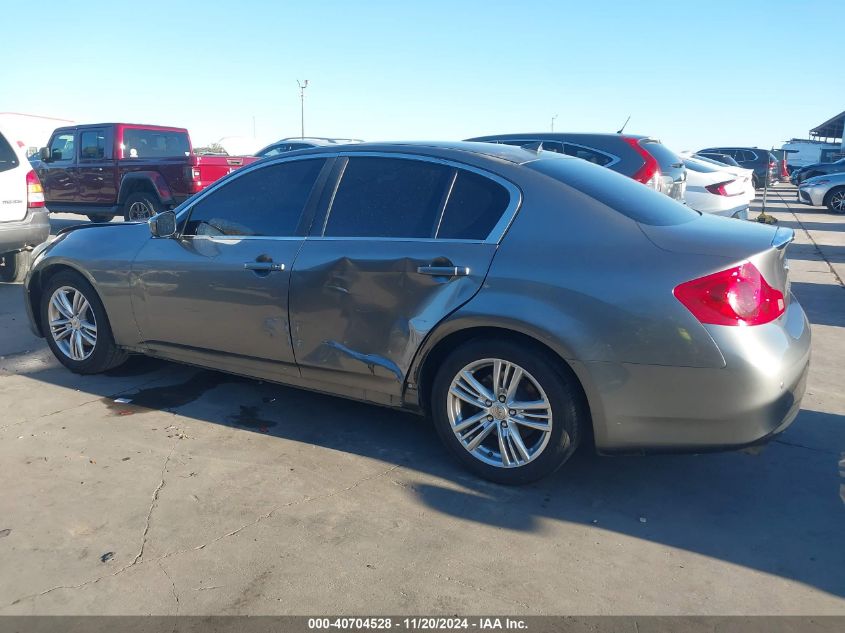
264,266
444,271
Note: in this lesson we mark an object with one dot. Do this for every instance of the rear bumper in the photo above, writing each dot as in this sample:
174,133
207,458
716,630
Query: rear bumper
26,233
686,409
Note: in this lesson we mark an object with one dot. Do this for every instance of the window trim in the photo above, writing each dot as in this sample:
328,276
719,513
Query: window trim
494,237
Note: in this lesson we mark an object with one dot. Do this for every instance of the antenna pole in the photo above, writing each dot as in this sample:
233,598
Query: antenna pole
302,87
621,129
553,122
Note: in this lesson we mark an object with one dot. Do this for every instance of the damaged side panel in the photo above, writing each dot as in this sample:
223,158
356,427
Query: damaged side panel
360,309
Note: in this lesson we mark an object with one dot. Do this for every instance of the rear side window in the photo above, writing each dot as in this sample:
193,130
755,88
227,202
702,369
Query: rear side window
8,157
388,197
474,207
588,154
264,202
92,144
140,143
622,194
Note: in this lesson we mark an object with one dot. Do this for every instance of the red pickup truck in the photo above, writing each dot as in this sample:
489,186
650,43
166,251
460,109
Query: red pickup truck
109,169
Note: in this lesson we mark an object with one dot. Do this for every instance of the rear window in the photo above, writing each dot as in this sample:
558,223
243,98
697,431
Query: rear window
8,157
139,143
622,194
699,166
665,156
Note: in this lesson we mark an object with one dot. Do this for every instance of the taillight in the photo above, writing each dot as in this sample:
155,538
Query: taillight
737,296
193,175
649,173
34,190
771,164
721,188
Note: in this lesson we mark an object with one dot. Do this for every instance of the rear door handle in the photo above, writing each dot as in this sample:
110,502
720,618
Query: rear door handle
264,266
444,271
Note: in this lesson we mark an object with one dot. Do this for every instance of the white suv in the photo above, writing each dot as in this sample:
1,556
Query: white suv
24,220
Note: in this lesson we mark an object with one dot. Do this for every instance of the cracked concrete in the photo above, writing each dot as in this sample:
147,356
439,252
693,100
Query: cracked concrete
338,507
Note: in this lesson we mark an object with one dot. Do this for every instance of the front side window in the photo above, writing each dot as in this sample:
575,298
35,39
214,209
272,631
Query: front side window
61,148
93,144
388,197
474,206
263,202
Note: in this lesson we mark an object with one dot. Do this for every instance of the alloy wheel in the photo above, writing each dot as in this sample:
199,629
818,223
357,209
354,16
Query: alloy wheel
73,325
140,211
837,201
499,413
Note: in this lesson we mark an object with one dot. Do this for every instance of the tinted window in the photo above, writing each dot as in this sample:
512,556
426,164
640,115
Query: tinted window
274,150
62,147
700,166
585,153
139,143
8,158
474,207
665,157
620,193
388,197
549,146
266,201
93,144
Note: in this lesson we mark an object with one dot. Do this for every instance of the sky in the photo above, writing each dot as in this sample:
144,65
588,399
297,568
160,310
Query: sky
694,74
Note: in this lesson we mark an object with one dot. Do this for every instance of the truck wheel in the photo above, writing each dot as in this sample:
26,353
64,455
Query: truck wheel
13,266
101,217
141,206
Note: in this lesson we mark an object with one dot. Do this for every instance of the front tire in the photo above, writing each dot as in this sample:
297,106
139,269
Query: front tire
835,200
141,206
13,266
506,411
76,325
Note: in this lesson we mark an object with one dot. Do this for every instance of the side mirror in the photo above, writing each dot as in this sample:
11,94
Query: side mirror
44,154
163,224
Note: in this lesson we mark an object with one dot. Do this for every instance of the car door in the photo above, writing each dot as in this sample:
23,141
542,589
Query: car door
217,294
405,241
96,169
59,176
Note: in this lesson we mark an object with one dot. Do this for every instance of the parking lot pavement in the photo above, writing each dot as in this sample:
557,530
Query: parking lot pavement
209,494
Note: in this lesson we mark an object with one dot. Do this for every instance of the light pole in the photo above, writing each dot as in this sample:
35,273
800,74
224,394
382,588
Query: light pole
302,87
553,122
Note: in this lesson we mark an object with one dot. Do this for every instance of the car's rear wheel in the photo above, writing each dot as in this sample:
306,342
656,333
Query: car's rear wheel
506,411
835,200
140,206
76,326
101,217
755,181
13,266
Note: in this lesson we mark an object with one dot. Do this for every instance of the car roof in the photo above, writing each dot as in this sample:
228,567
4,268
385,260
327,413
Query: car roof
509,153
551,136
160,128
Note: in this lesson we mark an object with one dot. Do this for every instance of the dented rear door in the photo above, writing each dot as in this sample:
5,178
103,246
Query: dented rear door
374,281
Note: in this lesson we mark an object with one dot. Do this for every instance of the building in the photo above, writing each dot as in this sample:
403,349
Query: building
31,131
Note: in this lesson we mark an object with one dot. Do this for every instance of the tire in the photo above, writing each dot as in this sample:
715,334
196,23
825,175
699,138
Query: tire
546,450
95,358
13,266
755,181
835,200
140,206
101,217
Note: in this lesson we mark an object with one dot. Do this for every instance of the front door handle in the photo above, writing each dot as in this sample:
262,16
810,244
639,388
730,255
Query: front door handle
444,271
264,266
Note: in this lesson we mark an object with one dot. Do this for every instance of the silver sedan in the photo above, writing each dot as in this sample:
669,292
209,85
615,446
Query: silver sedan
824,191
523,300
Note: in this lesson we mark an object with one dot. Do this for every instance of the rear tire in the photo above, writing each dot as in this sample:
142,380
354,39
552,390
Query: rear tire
13,266
835,200
101,217
76,326
141,206
520,443
755,181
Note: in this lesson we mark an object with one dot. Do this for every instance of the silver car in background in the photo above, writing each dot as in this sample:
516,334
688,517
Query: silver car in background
824,191
524,300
